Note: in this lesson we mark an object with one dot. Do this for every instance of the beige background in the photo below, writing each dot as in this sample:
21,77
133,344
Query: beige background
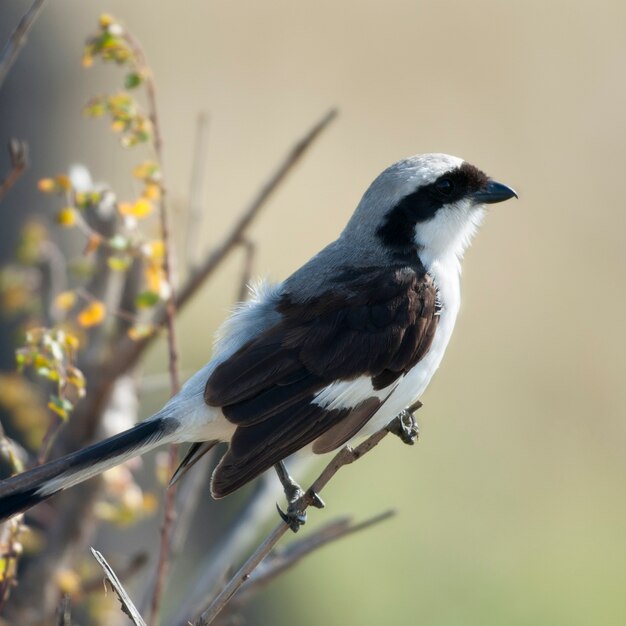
511,508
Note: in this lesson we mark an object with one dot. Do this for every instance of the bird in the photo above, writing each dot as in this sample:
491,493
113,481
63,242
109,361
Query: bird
334,352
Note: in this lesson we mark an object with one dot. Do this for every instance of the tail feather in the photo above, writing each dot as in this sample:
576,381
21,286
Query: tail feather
23,491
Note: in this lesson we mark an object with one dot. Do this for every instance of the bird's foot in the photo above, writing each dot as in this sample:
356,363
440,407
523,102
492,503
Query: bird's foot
405,426
295,516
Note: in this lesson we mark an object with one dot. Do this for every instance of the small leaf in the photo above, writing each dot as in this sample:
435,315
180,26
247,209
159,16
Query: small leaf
65,300
66,217
92,315
139,209
147,299
71,341
46,185
64,182
105,20
152,191
119,263
140,331
154,250
61,406
132,80
148,170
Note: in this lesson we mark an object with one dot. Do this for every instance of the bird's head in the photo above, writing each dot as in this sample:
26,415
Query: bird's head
430,203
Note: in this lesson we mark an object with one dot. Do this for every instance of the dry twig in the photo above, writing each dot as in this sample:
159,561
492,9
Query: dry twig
279,561
18,154
169,311
18,38
345,456
127,604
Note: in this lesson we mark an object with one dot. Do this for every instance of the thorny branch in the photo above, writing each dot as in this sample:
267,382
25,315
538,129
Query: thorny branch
18,39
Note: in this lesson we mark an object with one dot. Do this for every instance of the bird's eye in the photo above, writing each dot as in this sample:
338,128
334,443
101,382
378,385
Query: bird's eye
445,186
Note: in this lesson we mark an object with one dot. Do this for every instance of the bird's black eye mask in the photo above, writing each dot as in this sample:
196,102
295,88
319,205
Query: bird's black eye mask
421,205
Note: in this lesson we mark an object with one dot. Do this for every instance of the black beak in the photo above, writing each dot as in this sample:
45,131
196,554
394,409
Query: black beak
493,192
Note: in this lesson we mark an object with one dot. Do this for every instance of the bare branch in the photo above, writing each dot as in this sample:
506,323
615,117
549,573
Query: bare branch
345,456
278,562
18,39
214,258
169,310
64,614
128,352
127,604
18,154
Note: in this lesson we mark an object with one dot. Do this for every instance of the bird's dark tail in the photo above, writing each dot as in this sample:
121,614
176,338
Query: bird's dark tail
23,491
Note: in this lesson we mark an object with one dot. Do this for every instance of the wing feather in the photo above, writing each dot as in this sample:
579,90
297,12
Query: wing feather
377,323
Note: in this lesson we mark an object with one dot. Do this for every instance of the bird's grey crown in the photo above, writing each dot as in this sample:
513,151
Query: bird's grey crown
358,245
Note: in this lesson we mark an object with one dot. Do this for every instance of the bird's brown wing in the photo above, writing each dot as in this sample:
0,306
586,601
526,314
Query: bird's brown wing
374,322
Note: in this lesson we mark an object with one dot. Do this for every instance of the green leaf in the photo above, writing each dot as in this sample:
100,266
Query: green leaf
132,80
146,299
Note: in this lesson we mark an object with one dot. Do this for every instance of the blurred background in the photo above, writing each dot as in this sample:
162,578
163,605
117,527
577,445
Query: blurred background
511,508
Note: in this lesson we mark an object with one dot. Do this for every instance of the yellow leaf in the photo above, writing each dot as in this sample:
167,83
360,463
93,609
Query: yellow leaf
154,250
146,170
92,315
105,20
71,341
87,60
46,185
152,191
66,217
117,126
154,277
140,331
59,410
65,300
139,209
63,182
68,581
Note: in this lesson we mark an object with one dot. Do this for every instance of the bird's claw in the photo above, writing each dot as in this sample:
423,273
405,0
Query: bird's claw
405,427
294,517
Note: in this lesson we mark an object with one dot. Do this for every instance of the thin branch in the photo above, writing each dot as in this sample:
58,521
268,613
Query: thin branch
128,352
18,155
214,258
169,514
64,614
127,604
242,533
196,208
280,561
18,38
345,456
